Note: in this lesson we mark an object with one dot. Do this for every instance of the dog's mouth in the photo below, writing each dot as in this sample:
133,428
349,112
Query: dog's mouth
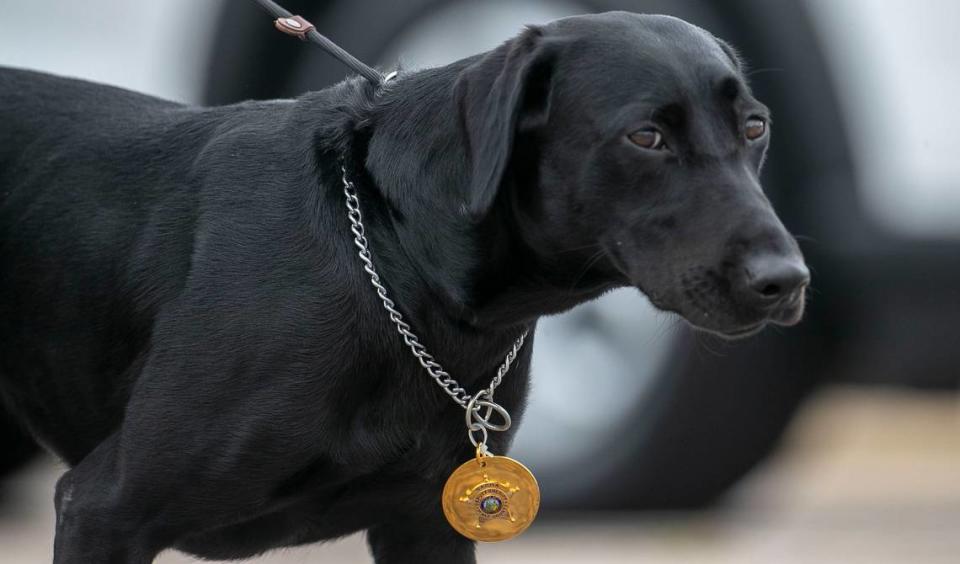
790,311
739,333
732,322
704,301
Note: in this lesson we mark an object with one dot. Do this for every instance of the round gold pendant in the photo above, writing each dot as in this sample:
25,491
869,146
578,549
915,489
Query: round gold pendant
491,499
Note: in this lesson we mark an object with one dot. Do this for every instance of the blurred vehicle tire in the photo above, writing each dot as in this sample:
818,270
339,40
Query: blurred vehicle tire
716,409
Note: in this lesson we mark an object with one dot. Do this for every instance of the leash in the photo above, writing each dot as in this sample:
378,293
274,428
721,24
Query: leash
476,421
299,27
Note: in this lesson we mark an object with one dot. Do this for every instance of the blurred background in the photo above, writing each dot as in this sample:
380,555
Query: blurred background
835,441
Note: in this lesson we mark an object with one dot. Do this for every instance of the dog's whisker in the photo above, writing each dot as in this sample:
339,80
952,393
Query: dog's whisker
706,339
580,248
668,325
806,239
590,262
763,71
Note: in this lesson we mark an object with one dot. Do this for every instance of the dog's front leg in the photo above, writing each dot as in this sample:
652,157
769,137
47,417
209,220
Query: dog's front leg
96,523
419,540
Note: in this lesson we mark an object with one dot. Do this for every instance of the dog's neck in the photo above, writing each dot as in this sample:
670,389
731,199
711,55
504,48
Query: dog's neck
479,272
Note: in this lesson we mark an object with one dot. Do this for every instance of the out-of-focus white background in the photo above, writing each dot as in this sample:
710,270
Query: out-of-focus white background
864,475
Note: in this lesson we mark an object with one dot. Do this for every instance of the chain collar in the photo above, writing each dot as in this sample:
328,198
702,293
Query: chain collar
480,408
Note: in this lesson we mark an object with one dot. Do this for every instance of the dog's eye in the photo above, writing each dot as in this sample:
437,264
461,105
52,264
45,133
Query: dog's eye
756,128
648,139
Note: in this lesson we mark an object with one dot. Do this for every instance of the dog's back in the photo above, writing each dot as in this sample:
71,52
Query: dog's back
92,199
45,114
108,199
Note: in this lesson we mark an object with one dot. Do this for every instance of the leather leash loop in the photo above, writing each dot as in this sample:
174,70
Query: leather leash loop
299,27
295,26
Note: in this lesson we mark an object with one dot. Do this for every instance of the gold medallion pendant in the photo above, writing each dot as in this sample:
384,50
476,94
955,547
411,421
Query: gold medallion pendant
491,499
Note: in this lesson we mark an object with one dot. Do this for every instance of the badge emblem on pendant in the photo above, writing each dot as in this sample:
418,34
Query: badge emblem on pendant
491,499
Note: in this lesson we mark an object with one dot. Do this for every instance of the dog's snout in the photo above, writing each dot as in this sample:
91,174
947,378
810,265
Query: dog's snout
769,279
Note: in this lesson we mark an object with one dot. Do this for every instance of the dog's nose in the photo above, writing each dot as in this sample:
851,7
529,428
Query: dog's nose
770,278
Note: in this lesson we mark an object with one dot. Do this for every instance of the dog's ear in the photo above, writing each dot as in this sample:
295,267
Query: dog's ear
504,91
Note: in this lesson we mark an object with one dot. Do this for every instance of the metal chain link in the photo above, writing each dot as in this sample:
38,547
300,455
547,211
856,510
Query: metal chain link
476,422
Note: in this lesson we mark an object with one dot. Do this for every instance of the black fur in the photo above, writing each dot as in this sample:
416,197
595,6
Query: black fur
184,319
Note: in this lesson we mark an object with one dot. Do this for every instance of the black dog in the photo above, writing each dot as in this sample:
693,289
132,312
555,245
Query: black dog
185,321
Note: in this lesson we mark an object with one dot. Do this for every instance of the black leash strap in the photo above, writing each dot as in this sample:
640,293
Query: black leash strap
299,27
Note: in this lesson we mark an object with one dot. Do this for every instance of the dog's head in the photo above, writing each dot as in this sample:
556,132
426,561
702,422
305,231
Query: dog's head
630,148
